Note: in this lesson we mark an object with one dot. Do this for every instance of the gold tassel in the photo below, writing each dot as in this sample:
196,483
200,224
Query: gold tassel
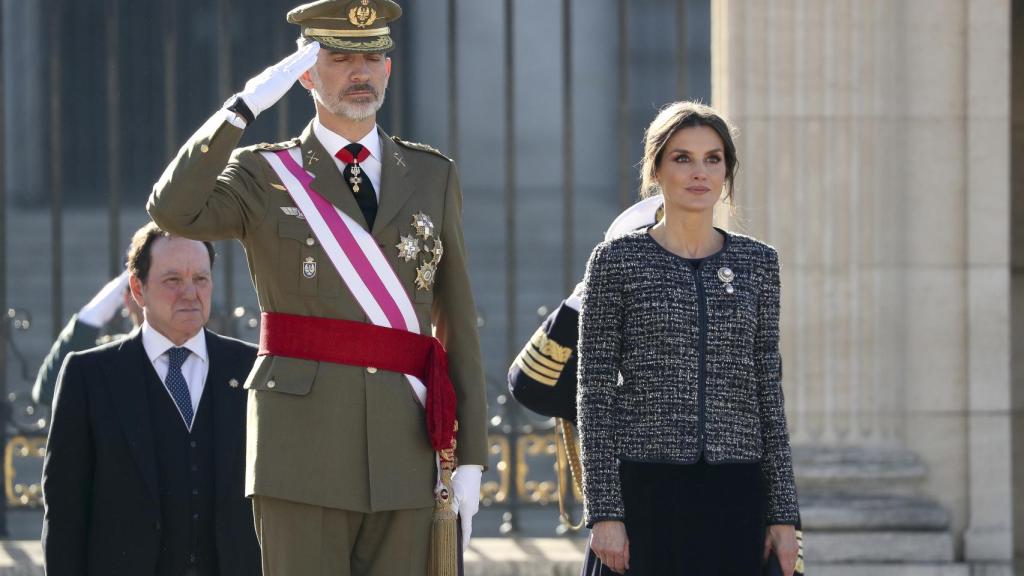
444,541
567,450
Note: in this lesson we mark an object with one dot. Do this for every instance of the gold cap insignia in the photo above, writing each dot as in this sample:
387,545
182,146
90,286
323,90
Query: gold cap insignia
361,14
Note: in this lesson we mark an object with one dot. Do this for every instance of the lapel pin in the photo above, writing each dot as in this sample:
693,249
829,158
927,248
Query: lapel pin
311,156
233,383
399,160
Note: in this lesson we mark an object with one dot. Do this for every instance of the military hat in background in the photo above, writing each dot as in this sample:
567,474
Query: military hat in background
348,25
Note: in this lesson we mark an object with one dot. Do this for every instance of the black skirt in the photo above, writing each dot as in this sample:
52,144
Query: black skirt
691,520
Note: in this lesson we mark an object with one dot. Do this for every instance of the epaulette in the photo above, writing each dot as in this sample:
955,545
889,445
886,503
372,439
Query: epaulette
279,146
420,147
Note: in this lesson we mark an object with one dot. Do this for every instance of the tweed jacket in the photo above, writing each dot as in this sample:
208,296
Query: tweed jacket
674,366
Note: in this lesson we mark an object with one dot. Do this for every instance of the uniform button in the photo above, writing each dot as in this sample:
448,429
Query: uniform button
271,384
195,491
195,516
371,370
204,148
195,468
310,241
157,526
193,444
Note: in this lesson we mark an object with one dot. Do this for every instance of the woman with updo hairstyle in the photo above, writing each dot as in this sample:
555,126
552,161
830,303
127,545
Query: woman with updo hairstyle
686,459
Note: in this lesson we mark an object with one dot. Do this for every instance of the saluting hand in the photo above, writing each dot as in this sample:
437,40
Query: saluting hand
264,90
609,541
781,538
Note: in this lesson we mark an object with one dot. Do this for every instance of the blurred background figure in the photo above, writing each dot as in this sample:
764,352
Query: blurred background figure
85,330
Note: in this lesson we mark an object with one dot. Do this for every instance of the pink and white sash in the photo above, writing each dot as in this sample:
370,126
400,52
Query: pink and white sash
362,266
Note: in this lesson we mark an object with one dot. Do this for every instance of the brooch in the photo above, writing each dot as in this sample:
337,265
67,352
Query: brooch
726,275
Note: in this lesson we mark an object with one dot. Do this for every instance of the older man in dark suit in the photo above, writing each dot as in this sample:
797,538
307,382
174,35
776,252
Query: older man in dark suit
145,460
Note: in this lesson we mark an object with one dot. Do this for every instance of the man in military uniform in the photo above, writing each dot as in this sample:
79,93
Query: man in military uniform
353,239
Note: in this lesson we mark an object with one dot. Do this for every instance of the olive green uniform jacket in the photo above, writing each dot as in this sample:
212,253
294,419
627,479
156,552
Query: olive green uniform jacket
319,433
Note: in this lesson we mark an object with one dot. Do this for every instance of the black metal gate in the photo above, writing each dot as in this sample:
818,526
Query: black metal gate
105,92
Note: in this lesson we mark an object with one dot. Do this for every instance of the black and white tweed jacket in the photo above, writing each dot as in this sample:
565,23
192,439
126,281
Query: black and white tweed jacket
674,365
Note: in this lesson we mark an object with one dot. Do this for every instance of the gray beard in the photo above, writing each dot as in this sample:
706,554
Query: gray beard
348,110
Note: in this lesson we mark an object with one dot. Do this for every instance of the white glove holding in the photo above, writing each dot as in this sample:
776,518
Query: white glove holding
264,90
105,304
575,300
466,488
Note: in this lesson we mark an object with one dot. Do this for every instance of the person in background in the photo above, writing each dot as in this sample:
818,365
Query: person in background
687,467
84,331
144,465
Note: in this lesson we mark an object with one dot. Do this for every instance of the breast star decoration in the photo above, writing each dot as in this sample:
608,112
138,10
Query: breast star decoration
414,247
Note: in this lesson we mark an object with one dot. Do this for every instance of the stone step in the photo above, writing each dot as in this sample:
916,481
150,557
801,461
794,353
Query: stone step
860,469
563,556
878,547
828,510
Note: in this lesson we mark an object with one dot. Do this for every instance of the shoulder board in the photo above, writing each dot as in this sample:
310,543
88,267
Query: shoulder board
420,147
279,146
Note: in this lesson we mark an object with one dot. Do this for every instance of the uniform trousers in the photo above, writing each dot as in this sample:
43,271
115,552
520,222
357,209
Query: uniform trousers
300,539
691,520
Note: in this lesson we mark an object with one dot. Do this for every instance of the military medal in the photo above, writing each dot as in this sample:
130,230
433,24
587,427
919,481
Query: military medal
309,267
356,179
424,226
408,248
425,276
437,251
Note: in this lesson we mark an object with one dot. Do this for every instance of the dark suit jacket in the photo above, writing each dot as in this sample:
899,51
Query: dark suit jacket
100,484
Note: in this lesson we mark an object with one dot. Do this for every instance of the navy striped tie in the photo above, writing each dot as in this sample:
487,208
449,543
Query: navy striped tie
176,384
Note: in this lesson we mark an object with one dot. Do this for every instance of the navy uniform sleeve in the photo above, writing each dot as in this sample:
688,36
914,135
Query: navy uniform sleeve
543,376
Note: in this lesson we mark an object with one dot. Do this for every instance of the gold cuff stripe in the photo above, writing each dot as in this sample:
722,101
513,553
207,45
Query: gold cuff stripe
537,367
348,33
538,357
539,378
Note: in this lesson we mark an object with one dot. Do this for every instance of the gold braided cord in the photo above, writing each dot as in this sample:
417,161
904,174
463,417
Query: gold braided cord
334,33
568,451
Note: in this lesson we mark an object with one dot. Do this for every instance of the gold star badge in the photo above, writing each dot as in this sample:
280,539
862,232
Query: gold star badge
408,248
437,251
424,226
425,276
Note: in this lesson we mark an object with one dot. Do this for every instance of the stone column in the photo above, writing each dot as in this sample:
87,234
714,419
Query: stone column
872,147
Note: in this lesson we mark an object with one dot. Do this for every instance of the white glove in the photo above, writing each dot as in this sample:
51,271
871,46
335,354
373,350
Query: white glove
466,486
105,304
575,300
264,90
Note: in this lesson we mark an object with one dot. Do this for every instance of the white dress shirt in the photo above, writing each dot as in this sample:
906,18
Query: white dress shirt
333,142
195,368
